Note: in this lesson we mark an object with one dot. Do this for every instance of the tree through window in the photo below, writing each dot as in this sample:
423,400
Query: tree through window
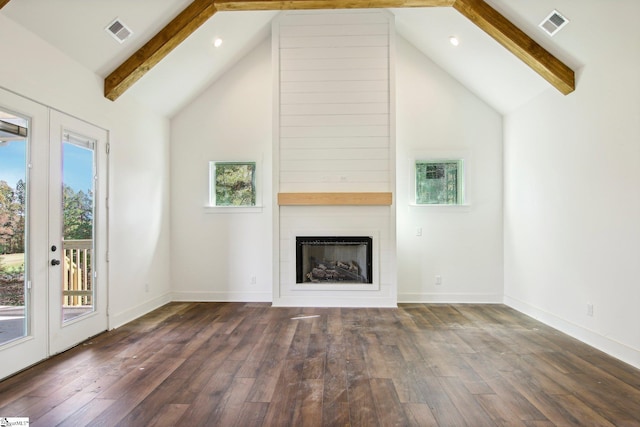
439,182
234,183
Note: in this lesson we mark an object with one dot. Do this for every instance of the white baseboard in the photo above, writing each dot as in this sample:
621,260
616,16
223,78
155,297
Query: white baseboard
118,319
222,296
426,298
613,348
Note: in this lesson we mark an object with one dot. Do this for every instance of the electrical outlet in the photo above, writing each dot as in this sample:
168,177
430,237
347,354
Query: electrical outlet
589,309
419,231
253,280
146,287
438,280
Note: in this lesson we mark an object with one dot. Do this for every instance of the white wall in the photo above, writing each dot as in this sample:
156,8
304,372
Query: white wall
572,204
215,255
463,244
139,225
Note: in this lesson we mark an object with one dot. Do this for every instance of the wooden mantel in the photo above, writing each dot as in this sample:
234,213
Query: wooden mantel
335,199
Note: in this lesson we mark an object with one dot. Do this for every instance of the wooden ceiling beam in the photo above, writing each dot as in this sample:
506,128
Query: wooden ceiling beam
517,42
237,5
3,3
198,12
160,45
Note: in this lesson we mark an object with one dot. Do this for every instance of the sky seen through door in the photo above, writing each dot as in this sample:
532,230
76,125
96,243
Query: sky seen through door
78,163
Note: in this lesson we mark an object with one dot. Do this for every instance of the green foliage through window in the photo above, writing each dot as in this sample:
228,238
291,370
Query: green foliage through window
12,217
77,214
439,182
235,183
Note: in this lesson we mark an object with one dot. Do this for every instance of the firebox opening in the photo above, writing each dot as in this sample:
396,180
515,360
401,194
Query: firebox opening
335,259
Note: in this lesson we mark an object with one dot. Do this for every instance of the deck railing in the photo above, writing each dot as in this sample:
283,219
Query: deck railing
77,278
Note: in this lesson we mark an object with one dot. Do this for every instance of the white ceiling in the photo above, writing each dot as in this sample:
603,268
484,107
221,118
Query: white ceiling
76,27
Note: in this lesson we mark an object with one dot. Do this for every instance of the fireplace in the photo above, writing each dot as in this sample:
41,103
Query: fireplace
334,259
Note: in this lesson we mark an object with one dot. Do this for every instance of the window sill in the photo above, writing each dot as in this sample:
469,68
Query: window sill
463,207
232,209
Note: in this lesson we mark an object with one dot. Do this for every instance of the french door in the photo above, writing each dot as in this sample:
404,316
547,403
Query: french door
24,160
77,231
53,238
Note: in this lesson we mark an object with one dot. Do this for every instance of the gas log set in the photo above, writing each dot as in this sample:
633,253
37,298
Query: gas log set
335,271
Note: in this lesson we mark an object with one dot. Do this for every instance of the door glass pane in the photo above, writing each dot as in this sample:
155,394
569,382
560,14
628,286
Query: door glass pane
77,213
14,300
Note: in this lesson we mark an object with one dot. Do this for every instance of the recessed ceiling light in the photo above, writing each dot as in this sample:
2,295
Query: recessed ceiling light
454,40
217,42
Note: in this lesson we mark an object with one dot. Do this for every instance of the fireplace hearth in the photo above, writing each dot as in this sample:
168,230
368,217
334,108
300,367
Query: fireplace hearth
334,259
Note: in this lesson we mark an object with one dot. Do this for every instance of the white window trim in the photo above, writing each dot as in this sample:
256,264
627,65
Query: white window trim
437,155
232,209
213,209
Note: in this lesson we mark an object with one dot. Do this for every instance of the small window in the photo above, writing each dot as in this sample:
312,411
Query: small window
232,183
440,182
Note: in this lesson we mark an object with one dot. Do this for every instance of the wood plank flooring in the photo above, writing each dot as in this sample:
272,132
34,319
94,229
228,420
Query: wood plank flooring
248,364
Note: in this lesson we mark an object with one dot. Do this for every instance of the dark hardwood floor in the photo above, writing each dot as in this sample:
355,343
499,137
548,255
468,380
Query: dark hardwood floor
247,364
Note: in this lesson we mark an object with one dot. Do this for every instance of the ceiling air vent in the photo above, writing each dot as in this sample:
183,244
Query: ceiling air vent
553,23
118,30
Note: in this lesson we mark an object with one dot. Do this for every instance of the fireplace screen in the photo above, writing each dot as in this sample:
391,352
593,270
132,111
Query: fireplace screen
321,259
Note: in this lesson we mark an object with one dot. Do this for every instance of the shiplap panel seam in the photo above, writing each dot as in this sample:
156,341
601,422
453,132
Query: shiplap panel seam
363,74
321,153
325,180
379,184
365,142
297,19
334,53
335,86
335,109
334,64
355,97
343,131
334,42
336,165
333,30
334,120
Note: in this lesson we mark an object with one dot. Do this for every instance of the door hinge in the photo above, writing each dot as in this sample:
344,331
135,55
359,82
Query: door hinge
108,147
107,256
28,284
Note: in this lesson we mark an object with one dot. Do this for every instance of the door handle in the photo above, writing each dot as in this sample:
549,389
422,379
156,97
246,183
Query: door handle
55,262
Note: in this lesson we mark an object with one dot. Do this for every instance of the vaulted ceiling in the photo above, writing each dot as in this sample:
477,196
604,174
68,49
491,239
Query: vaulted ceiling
170,58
